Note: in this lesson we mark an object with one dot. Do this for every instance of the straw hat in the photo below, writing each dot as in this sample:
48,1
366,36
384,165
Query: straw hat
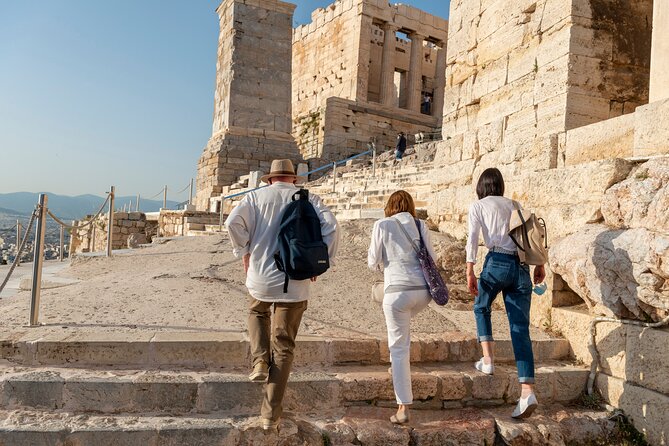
282,168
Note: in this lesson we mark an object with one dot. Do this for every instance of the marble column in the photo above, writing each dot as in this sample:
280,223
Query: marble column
388,66
439,81
659,54
415,73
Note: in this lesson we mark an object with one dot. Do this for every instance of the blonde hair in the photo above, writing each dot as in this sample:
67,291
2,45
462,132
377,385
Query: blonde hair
400,201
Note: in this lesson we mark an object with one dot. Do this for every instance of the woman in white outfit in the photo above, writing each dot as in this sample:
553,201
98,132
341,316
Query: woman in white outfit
405,290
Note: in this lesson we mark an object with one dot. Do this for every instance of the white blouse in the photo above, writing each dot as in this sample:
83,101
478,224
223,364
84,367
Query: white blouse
391,252
490,215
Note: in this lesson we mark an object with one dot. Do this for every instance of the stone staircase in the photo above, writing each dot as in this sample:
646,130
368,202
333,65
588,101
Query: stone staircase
159,388
360,194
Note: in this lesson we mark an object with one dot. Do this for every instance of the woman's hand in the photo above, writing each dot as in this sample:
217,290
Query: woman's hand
539,274
472,283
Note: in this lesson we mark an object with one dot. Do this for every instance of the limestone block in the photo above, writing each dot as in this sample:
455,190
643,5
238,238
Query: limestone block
613,138
453,385
648,410
138,394
651,124
485,387
490,136
377,432
552,79
584,109
33,389
570,382
617,272
355,351
659,68
642,200
647,358
467,427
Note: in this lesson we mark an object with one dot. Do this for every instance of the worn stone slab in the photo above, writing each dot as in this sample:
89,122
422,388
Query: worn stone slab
200,349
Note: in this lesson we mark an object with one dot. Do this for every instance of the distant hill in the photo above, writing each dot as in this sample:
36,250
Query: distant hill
11,212
70,208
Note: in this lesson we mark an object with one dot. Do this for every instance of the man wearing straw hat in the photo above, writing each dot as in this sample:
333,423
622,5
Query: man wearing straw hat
253,227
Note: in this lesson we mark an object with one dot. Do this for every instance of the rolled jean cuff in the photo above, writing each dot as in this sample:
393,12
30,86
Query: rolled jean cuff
486,338
404,404
526,380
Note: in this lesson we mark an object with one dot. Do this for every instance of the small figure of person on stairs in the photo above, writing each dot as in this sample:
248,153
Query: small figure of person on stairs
405,291
502,272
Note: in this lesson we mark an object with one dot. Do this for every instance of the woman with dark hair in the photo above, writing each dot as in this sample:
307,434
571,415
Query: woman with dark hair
405,290
502,272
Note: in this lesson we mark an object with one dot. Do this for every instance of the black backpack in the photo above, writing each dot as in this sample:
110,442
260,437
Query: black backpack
302,253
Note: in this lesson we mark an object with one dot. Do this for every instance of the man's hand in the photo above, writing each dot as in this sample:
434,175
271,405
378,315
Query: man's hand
539,274
246,260
472,283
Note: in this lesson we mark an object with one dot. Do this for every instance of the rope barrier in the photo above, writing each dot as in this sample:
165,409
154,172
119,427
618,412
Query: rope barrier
184,189
8,229
21,248
157,195
85,225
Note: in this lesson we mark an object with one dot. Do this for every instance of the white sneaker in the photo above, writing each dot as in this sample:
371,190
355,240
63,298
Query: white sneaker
525,406
482,367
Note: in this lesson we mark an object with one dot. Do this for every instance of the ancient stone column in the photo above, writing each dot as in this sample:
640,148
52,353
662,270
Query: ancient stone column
659,57
415,72
439,81
252,104
388,65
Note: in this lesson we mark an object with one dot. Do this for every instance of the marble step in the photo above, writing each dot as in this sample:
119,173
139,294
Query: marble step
364,426
231,349
435,386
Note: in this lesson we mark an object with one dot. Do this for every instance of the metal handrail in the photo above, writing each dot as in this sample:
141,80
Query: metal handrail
327,166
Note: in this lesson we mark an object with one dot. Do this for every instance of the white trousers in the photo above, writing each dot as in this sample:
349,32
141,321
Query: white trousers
399,308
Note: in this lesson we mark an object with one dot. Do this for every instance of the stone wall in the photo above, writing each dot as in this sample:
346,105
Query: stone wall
94,237
633,365
252,106
350,125
521,71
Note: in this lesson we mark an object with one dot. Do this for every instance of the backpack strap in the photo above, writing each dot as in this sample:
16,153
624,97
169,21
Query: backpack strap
413,244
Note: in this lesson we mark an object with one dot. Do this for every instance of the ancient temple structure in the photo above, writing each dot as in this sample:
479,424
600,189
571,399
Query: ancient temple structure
366,69
252,107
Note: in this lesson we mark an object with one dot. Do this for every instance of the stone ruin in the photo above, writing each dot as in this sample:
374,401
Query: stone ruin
252,107
568,98
366,69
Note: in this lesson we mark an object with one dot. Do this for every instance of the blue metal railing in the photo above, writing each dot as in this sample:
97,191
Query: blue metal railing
327,166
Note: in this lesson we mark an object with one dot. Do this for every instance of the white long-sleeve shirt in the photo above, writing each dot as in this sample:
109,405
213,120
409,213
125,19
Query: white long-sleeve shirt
490,216
391,252
253,227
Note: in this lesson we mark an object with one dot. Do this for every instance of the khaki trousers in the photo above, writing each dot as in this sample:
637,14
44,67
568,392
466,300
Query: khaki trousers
277,352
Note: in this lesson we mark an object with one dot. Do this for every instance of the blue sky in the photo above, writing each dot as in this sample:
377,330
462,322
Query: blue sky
97,93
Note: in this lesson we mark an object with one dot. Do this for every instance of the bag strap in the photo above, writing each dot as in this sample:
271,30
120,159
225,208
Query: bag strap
413,244
420,234
523,225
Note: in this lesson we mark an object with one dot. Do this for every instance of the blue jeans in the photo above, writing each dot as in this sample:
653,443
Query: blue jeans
504,273
398,154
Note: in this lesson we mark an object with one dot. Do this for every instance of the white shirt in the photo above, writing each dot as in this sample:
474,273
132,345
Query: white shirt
253,227
391,251
490,215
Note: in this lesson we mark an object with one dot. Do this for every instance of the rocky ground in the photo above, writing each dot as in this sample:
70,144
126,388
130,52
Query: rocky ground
196,284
